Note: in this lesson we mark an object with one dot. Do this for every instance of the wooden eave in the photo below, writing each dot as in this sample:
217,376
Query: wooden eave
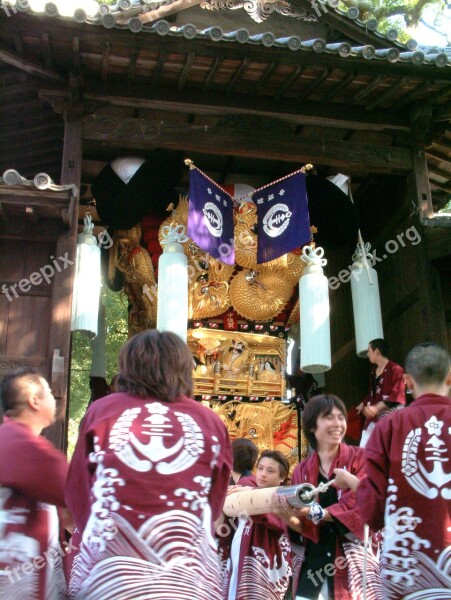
217,98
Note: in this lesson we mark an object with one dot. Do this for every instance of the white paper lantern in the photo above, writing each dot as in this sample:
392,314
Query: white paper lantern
314,317
172,313
127,166
85,300
366,302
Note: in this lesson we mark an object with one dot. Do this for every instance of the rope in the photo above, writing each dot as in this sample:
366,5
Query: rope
322,487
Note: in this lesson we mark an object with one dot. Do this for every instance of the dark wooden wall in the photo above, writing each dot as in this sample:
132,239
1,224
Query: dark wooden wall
415,294
35,232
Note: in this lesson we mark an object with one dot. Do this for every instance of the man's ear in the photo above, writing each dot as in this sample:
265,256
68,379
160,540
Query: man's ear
34,401
448,379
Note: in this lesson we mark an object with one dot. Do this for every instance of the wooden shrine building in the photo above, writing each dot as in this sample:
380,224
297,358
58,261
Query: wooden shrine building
250,91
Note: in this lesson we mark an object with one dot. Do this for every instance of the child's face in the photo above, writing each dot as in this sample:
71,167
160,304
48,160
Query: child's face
268,473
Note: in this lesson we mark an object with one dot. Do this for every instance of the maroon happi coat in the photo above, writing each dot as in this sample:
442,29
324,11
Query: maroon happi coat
146,481
347,578
32,478
390,387
255,554
409,488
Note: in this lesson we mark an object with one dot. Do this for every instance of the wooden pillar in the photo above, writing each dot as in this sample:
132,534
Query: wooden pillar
421,119
430,295
59,334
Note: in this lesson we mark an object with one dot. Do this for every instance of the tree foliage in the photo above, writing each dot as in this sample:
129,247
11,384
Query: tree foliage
395,14
81,359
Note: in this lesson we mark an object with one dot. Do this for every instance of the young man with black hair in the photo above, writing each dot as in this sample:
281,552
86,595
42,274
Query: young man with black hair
32,479
387,389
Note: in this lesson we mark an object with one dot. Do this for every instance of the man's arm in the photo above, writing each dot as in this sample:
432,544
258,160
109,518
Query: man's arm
397,391
372,490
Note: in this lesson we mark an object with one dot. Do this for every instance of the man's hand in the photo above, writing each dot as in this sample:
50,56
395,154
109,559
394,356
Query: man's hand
345,480
371,412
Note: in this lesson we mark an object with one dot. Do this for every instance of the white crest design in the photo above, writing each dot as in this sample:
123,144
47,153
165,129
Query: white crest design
213,219
426,481
276,220
159,429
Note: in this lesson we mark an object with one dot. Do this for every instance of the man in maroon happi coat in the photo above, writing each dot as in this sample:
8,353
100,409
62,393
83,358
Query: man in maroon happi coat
32,478
387,388
409,483
147,479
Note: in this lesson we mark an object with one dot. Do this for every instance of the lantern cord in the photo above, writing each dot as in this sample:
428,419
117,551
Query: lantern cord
88,225
322,487
189,163
360,239
364,258
173,233
313,256
237,201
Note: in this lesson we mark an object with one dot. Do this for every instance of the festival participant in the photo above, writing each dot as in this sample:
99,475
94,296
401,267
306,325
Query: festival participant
408,487
147,479
256,556
328,556
245,454
32,478
387,389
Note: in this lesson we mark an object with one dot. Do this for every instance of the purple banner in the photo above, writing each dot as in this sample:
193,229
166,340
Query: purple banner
210,217
283,217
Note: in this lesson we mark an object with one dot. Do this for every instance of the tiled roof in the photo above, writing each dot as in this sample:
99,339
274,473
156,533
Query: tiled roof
130,15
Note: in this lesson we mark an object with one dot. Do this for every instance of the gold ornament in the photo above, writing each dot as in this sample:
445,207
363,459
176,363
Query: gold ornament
270,425
140,286
260,295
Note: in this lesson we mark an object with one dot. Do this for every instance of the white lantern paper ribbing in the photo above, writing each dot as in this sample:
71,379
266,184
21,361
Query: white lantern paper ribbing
314,317
86,297
365,300
172,313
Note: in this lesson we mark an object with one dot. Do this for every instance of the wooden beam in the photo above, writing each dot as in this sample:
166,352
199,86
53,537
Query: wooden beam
253,143
211,73
438,155
330,94
237,74
185,71
294,75
132,64
440,172
441,186
159,67
305,113
442,112
367,89
392,90
76,52
63,282
415,94
266,75
421,185
46,50
105,61
124,40
318,81
29,67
